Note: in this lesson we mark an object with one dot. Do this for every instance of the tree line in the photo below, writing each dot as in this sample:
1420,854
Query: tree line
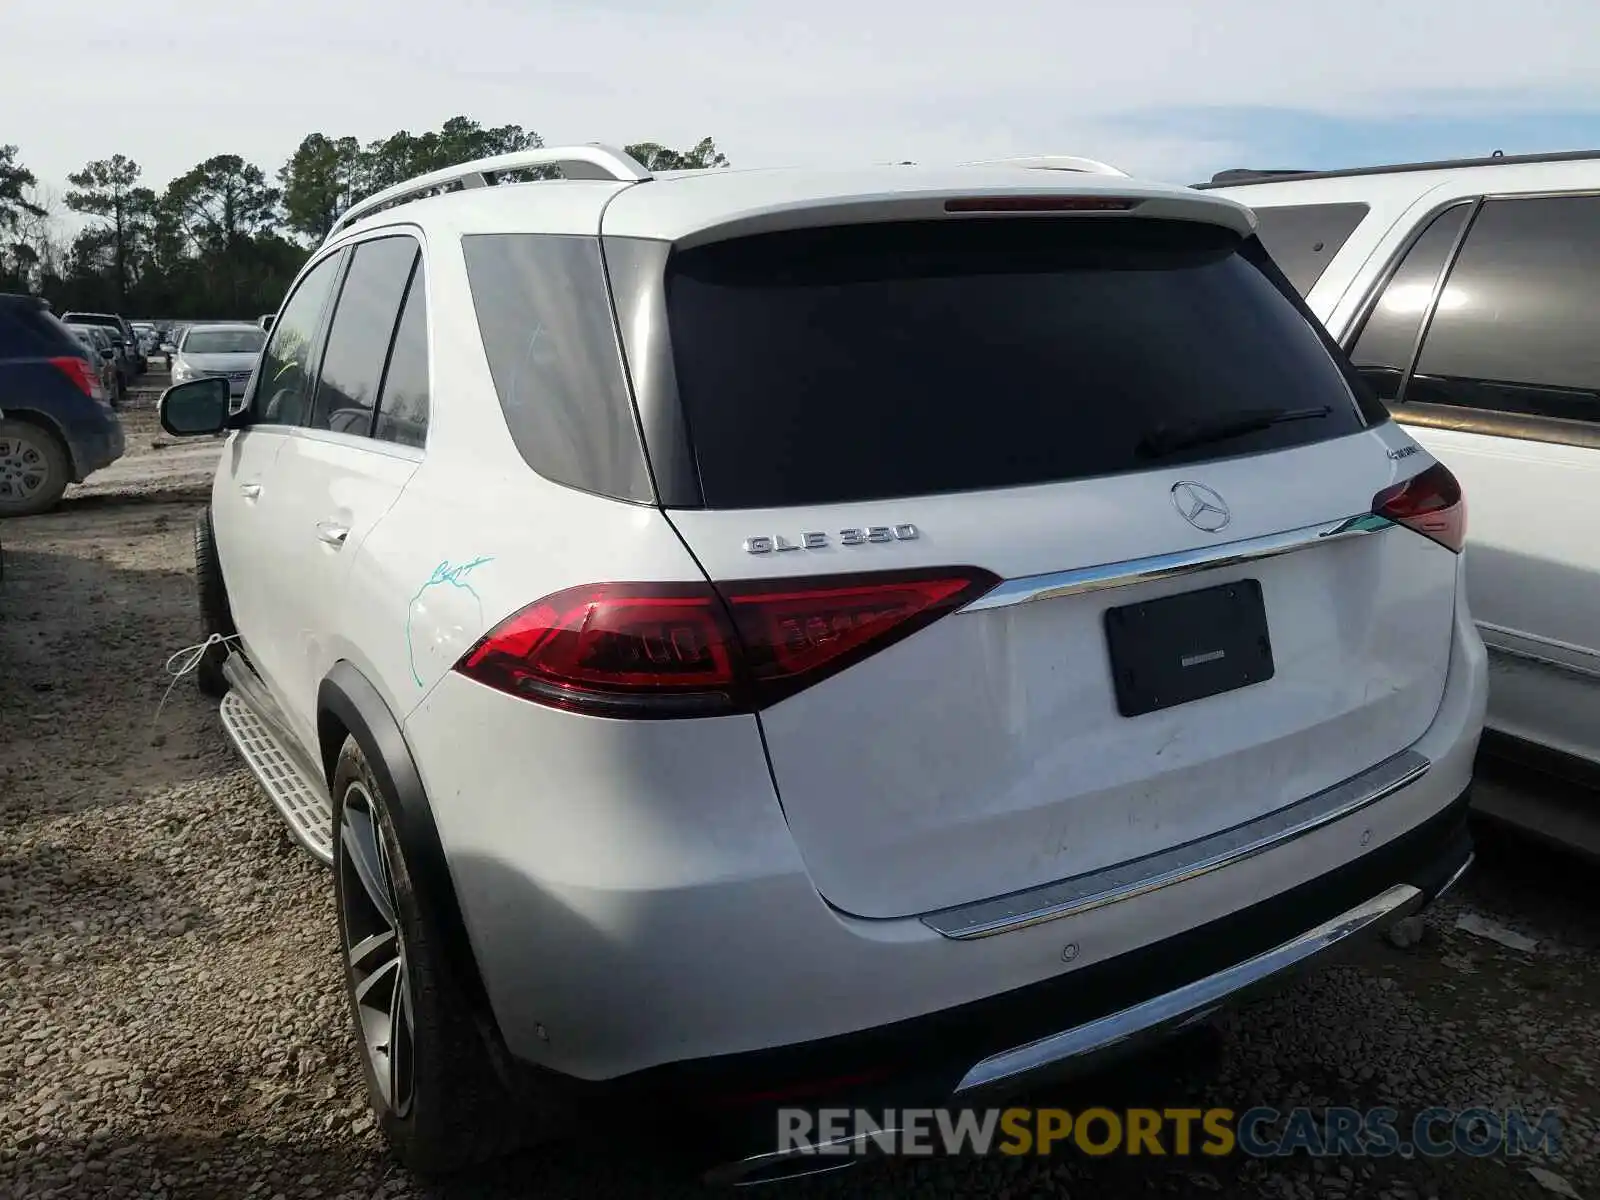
223,239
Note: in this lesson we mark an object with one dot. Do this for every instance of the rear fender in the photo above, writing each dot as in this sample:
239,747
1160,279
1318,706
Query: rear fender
348,702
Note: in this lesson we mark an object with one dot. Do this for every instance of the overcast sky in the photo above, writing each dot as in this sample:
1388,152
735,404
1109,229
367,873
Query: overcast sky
1173,89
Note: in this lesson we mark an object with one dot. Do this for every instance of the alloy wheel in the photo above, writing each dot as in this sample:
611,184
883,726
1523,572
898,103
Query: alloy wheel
23,467
375,950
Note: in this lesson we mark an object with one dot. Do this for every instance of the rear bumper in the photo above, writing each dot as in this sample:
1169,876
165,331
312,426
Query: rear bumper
95,439
1073,1022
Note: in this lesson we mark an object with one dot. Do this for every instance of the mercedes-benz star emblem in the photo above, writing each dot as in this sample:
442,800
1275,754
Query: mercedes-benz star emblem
1200,506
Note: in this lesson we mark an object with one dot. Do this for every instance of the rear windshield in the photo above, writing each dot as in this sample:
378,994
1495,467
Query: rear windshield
224,341
29,331
1303,238
869,361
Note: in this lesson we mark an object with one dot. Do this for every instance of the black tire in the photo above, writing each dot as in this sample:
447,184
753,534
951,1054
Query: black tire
444,1108
216,617
34,469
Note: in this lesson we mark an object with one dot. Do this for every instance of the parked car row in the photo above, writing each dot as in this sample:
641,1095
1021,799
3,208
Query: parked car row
108,359
61,379
59,424
923,627
130,357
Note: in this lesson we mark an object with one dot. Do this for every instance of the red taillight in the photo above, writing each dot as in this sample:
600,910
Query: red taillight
624,648
1430,503
796,633
1046,203
77,370
684,650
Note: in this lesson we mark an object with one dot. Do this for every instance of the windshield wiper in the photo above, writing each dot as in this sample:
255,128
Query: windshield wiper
1169,439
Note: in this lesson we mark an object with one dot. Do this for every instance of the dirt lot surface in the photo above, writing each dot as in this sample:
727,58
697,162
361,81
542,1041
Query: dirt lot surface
171,1023
154,465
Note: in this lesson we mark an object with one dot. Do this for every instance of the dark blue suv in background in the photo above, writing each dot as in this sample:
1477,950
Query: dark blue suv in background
56,422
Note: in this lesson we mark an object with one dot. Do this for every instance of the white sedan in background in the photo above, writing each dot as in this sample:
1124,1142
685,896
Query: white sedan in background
226,350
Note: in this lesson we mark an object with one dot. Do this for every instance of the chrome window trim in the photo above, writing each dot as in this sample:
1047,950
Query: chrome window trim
1080,893
1549,652
1181,562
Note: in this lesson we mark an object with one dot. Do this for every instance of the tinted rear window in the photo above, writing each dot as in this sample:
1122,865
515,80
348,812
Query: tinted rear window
224,341
871,361
1303,238
28,331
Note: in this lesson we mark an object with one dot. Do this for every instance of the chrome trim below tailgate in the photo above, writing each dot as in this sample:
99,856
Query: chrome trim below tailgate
1063,898
1182,562
1192,1002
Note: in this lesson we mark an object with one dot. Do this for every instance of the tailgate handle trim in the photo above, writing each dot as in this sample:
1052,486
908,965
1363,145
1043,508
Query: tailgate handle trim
1180,562
1080,893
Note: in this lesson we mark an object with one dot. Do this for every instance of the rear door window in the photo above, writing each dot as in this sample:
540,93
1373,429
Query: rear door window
870,361
1517,327
1303,238
1383,350
403,411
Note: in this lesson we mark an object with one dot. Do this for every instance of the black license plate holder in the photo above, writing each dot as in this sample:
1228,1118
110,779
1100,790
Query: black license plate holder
1188,647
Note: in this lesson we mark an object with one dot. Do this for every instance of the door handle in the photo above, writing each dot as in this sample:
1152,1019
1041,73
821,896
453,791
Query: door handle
332,534
250,490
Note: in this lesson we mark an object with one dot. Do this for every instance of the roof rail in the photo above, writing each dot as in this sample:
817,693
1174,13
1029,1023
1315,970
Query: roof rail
591,161
1241,176
1251,175
1053,162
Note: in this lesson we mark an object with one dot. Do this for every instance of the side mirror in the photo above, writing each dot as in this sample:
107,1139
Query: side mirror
196,408
108,354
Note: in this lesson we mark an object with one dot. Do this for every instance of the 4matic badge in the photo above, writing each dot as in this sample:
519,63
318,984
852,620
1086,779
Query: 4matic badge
817,540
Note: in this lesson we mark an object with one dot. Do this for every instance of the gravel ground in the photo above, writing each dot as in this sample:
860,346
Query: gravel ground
154,466
171,1024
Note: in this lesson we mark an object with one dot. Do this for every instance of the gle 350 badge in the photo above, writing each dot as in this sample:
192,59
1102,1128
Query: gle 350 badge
817,540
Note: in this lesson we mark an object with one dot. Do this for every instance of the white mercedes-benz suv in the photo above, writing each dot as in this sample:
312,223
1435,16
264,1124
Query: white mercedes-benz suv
762,636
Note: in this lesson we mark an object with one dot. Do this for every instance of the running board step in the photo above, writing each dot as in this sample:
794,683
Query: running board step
299,797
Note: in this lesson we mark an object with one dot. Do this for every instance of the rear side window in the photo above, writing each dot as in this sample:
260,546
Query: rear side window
1382,353
544,312
358,339
403,413
820,366
1515,330
1303,238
